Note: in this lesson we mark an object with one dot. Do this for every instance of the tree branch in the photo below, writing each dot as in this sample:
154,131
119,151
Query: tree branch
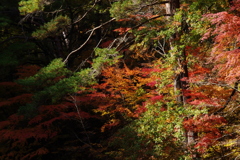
90,35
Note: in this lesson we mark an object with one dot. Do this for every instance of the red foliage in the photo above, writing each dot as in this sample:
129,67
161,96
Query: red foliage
152,84
25,71
106,44
40,151
21,135
225,51
148,71
198,73
5,103
200,98
48,114
207,127
8,84
22,99
9,89
15,119
4,124
235,6
140,109
189,50
43,125
35,120
51,109
19,100
155,99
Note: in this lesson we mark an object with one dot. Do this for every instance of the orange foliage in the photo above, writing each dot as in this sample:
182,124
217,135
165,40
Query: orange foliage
122,30
119,95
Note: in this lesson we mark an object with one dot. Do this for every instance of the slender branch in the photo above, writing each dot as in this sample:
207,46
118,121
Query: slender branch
90,35
134,27
75,134
92,30
151,19
80,118
230,153
237,157
83,62
161,47
79,19
229,99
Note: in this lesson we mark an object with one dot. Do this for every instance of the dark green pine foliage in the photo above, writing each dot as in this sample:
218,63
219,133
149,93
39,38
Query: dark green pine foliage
14,45
52,28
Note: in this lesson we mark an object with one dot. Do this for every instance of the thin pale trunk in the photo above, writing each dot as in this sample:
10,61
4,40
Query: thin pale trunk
180,85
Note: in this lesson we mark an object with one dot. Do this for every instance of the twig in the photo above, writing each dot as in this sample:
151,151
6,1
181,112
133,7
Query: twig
81,121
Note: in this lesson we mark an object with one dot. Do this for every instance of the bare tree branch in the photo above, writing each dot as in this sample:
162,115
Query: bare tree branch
90,35
74,101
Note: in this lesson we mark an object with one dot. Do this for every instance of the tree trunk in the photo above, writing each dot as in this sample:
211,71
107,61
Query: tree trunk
172,6
180,85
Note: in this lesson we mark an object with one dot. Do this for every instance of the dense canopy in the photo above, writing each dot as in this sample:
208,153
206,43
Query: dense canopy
119,79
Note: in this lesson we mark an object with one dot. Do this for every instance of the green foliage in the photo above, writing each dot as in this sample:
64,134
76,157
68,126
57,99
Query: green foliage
211,6
129,8
4,22
52,28
28,110
121,9
157,134
105,56
11,54
44,77
14,54
32,6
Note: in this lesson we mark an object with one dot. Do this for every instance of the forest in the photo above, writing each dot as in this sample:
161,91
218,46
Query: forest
119,79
